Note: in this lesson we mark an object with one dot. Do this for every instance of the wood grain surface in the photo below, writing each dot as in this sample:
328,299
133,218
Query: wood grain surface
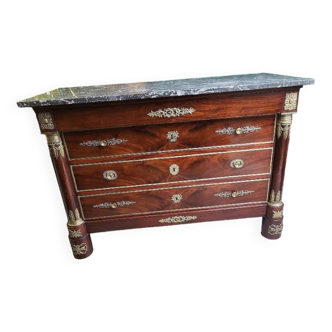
168,137
157,170
249,211
122,114
178,198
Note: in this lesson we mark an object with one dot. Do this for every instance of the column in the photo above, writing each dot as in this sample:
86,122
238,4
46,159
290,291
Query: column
79,238
273,221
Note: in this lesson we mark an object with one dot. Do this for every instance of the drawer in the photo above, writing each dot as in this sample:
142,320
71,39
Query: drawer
103,176
172,199
168,110
235,211
169,137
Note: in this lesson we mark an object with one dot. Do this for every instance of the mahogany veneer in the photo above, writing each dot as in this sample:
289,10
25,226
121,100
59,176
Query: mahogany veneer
173,152
155,139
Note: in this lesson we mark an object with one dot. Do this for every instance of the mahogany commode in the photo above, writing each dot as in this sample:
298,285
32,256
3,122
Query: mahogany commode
169,152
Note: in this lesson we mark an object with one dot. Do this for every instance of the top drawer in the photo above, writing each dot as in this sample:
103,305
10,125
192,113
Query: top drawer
169,109
168,137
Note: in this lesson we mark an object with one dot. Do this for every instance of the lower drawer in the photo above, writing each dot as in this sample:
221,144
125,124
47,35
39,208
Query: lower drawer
193,197
177,218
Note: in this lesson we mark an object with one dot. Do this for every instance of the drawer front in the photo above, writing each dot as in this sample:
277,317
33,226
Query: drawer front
169,110
172,169
168,137
171,199
176,217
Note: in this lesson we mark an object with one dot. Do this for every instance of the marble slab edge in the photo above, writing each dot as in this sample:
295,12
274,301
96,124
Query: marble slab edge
162,89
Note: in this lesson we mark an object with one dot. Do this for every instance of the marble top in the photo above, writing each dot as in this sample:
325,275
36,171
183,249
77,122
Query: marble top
174,88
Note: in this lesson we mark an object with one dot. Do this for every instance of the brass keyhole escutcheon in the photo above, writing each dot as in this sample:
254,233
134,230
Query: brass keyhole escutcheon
237,163
172,136
174,169
110,175
177,198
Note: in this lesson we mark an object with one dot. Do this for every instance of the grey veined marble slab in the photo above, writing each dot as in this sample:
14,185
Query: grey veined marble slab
174,88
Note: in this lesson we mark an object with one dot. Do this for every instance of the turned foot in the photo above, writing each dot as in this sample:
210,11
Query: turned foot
272,224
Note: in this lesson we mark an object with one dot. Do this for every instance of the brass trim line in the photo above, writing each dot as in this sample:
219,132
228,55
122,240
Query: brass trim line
175,210
179,150
274,130
171,157
166,151
156,189
232,206
174,182
176,187
155,184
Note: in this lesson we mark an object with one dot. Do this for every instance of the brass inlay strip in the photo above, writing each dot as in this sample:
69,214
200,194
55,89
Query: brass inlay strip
275,126
174,182
170,151
166,151
175,210
172,157
155,184
177,187
230,207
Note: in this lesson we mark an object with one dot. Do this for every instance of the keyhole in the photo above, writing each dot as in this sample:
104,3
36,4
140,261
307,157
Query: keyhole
174,169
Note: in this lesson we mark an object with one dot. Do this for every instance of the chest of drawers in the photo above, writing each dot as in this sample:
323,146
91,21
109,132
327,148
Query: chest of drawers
172,152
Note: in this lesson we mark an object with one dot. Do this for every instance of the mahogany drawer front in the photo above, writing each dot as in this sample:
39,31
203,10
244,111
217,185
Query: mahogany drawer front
176,218
168,110
169,137
176,198
150,171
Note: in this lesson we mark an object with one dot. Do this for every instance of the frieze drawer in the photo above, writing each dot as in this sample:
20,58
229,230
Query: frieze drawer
169,137
172,169
169,199
170,110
